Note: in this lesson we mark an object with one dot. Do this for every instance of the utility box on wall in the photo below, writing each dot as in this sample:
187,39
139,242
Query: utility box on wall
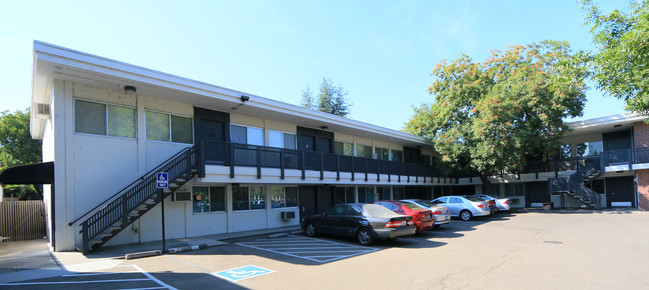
182,196
287,215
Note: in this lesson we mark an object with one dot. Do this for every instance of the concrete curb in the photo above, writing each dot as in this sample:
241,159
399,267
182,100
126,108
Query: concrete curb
132,256
186,248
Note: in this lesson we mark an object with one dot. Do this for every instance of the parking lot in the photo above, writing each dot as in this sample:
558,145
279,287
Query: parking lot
530,250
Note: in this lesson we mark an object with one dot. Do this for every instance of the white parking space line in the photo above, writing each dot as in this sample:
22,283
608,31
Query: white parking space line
311,249
61,280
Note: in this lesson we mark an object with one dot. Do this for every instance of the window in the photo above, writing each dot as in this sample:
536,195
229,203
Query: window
247,135
384,193
104,119
168,128
398,193
396,155
454,200
281,140
281,197
589,148
208,199
343,148
369,194
382,153
565,151
344,195
248,198
363,151
514,189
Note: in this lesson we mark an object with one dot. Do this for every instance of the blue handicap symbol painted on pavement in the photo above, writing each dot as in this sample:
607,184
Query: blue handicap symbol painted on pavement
242,273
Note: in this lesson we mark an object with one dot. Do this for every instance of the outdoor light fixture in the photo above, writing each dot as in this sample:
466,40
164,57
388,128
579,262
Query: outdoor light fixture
129,89
617,126
324,127
243,99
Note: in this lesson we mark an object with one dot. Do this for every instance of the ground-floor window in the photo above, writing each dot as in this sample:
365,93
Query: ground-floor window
344,195
365,194
248,198
515,189
208,199
398,193
281,197
384,193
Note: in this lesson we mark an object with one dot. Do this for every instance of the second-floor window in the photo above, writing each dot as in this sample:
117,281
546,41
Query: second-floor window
382,153
104,119
169,128
344,148
397,156
247,135
363,151
281,140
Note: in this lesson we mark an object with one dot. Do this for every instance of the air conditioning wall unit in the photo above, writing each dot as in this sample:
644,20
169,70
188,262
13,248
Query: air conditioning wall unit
42,110
287,215
182,196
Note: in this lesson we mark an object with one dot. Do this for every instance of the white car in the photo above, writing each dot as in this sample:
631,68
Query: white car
464,207
501,203
441,214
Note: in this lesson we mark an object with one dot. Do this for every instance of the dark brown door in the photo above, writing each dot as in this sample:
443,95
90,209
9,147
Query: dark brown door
307,201
620,191
536,192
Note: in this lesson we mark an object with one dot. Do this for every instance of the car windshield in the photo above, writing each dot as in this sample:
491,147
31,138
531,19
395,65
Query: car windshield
411,205
377,210
427,203
474,198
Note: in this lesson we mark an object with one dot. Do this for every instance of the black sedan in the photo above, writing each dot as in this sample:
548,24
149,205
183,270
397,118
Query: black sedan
363,221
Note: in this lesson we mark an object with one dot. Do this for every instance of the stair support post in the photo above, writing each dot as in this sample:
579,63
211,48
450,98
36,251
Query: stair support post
84,237
124,211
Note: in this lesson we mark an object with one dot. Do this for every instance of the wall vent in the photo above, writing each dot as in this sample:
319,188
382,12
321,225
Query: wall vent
43,110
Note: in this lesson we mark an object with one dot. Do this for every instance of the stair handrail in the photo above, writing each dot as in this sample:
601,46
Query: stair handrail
128,187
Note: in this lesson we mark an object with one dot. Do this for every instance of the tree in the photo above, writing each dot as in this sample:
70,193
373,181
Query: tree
331,99
18,148
491,115
621,63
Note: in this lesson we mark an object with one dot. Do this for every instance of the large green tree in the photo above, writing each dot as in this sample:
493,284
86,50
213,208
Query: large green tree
621,61
493,114
331,98
18,148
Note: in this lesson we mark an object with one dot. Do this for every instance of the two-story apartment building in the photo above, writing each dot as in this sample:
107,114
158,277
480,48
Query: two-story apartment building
238,162
235,161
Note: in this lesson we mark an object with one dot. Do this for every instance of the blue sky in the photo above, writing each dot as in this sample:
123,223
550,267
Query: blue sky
381,51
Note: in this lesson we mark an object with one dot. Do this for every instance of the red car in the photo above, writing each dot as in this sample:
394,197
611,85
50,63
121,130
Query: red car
423,217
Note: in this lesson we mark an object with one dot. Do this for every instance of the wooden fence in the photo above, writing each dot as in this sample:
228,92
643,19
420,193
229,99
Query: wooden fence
22,220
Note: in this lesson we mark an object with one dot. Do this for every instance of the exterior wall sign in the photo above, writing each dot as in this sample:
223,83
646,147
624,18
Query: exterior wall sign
163,181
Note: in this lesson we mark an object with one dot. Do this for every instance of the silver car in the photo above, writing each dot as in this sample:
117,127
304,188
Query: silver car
464,207
501,203
441,214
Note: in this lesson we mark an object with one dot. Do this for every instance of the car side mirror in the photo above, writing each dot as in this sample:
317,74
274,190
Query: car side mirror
324,213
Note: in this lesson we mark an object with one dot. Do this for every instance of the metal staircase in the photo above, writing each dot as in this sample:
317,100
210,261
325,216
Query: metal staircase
117,213
575,184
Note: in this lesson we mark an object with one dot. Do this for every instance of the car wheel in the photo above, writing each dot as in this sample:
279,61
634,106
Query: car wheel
311,230
364,236
466,215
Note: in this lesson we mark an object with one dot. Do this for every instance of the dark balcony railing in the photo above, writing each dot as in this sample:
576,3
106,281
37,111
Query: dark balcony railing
232,154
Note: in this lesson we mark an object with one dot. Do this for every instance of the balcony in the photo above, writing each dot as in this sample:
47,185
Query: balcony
233,154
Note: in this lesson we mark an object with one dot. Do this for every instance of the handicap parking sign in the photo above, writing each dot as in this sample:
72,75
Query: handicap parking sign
242,273
163,181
